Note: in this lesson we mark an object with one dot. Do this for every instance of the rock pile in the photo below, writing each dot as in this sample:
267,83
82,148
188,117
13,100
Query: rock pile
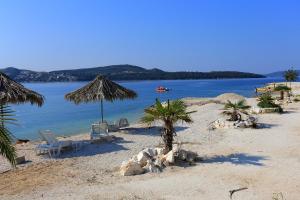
154,160
256,110
250,122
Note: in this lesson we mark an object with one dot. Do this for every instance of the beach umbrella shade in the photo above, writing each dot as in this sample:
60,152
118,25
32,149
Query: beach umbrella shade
15,93
98,90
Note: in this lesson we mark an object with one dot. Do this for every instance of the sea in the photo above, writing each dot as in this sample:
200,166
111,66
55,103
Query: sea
65,118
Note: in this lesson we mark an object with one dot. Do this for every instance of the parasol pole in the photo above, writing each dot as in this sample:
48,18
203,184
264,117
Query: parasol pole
102,110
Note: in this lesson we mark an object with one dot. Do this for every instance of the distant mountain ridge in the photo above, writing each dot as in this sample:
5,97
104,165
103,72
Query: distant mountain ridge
278,74
118,72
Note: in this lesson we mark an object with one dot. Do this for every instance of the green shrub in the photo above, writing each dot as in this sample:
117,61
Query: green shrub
282,88
265,100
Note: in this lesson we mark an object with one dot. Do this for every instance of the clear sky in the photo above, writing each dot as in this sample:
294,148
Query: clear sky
196,35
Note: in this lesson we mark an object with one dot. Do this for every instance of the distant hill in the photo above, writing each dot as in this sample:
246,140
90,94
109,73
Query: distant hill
118,72
278,74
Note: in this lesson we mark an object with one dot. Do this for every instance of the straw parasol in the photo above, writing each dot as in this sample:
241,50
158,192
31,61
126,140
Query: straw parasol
98,90
16,93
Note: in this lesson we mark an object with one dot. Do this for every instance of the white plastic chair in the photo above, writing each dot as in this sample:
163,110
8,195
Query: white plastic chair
123,122
99,130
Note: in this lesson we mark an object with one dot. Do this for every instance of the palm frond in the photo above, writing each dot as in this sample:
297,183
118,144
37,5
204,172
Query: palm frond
227,112
148,119
6,148
173,111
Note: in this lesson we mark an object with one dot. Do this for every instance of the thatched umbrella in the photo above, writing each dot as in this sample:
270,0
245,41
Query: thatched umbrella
98,90
16,93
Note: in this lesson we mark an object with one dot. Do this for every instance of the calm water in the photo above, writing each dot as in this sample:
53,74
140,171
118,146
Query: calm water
65,118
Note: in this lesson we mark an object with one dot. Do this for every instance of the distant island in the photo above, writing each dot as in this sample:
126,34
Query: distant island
119,72
278,74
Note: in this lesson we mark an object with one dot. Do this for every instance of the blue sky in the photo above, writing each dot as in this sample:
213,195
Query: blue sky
196,35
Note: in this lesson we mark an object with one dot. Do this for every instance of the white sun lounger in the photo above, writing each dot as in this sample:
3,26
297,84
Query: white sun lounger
53,146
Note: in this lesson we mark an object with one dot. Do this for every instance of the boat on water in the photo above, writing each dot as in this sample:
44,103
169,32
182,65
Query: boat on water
162,89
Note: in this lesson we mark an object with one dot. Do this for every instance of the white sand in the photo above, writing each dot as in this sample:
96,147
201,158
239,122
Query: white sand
266,161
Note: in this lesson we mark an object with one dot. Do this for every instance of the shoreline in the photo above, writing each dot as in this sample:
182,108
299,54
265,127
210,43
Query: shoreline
65,118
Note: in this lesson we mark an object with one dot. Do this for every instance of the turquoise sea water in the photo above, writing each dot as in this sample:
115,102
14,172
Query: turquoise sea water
66,118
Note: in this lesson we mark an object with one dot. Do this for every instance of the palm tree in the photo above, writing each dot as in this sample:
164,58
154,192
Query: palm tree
282,89
235,110
6,148
169,114
266,100
290,76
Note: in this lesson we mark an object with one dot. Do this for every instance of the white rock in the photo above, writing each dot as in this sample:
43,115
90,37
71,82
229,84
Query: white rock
159,151
151,167
219,123
176,148
158,162
142,158
241,124
150,151
169,157
134,158
154,169
131,168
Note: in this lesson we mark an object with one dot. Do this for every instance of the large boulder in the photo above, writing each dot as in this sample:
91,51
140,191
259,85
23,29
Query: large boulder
152,167
188,156
150,151
191,156
159,151
169,158
142,158
134,158
241,124
131,168
221,123
182,155
249,122
158,162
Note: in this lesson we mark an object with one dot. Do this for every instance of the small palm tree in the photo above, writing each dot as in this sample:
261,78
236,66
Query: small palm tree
266,100
282,89
290,76
7,149
235,110
169,114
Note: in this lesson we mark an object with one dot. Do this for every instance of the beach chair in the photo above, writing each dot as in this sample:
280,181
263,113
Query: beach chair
99,131
53,146
123,122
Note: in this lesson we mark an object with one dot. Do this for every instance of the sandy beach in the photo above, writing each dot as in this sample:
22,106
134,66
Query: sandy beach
264,161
